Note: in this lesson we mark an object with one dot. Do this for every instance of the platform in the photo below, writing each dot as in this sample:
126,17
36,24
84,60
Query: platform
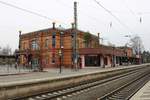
143,93
54,73
13,86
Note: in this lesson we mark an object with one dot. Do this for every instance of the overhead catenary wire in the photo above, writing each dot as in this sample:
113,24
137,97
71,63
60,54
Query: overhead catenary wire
132,12
125,12
142,13
91,17
32,12
87,15
108,11
38,14
26,10
83,12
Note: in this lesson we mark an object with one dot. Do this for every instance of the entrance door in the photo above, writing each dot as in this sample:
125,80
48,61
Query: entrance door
92,60
105,61
35,63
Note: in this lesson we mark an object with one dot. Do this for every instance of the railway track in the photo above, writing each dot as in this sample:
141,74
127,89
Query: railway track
126,91
136,77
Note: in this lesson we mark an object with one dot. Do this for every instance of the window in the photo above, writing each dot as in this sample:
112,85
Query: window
53,58
61,39
23,45
77,43
46,60
53,40
34,45
53,46
46,43
35,63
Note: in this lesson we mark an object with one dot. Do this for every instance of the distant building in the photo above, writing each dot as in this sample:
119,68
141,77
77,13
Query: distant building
43,49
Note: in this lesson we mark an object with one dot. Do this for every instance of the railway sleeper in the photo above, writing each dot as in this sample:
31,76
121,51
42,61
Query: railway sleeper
118,96
115,98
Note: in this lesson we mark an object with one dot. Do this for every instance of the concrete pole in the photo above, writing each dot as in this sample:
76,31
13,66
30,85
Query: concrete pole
75,37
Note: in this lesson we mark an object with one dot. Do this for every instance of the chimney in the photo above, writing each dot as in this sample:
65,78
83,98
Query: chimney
53,25
98,37
72,24
19,40
20,32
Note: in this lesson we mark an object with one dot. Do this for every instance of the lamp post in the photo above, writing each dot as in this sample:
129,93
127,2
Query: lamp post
60,52
114,60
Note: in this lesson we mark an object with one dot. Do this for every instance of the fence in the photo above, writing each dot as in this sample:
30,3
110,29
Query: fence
13,69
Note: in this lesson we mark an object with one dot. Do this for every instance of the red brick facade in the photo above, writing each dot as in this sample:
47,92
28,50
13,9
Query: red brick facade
44,49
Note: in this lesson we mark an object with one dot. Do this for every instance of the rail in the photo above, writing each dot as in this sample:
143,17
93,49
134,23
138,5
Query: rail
67,92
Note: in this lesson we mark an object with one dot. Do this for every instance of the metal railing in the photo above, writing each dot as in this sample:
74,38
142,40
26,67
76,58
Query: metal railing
14,69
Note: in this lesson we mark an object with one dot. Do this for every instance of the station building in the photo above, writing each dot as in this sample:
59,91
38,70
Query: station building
48,48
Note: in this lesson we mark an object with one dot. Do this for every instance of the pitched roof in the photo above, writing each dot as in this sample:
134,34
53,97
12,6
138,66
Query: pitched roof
40,31
79,31
36,33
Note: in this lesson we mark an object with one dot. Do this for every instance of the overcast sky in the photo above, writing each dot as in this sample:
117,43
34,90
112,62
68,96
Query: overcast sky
91,17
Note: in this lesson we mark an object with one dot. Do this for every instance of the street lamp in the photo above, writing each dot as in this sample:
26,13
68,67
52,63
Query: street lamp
114,59
60,51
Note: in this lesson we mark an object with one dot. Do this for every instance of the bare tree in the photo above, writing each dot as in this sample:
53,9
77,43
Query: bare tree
136,44
145,57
